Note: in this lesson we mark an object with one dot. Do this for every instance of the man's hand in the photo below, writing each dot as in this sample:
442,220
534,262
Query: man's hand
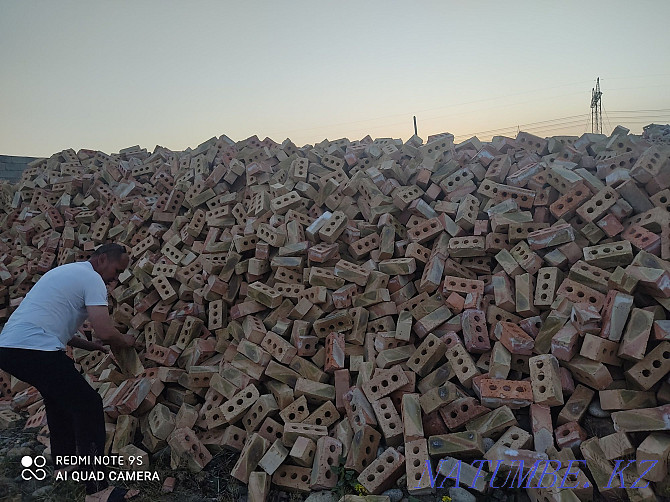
98,316
124,340
85,344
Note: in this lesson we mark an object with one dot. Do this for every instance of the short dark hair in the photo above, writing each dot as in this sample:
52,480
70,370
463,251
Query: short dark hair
112,250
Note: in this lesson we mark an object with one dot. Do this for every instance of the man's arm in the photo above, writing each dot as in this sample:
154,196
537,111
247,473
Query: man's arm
80,343
98,315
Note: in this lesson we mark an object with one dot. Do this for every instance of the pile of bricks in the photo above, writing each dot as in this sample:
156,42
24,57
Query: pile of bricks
307,307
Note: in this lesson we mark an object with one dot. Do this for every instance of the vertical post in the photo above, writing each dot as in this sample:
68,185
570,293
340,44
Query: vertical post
415,133
600,106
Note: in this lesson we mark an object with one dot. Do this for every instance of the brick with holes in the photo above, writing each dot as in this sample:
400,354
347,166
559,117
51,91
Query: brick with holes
429,352
325,415
596,207
294,430
278,347
619,253
462,363
292,478
495,393
363,448
389,421
328,451
264,406
653,367
302,451
352,272
566,205
358,409
570,435
475,333
333,227
383,385
545,380
337,322
234,408
383,472
295,412
185,443
416,455
264,294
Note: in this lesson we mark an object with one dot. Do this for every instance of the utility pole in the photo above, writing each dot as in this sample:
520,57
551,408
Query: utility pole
596,109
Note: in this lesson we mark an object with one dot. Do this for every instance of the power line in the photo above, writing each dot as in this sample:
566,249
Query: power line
640,111
638,76
529,124
554,127
571,120
494,98
586,124
637,119
644,121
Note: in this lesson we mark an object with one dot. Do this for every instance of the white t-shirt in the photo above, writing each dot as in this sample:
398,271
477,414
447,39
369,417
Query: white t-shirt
55,307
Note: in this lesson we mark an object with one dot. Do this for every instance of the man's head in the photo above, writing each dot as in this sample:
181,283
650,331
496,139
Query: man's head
109,260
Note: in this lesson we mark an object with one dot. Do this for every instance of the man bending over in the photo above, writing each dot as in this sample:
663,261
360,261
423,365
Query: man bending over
32,348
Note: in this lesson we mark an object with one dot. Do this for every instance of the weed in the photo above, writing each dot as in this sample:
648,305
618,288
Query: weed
296,497
347,482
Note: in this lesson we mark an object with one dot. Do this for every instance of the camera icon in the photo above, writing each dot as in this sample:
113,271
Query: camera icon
33,468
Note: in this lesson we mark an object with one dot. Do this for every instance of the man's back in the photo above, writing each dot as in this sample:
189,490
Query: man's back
54,308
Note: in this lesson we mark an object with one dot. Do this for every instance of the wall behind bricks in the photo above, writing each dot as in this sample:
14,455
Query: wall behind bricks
11,167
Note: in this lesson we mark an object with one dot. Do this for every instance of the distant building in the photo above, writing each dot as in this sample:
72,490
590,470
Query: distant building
12,167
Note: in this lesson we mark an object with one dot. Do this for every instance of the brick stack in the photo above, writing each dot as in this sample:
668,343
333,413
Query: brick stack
308,306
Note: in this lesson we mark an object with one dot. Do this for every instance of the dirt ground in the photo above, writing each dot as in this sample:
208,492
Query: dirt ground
213,484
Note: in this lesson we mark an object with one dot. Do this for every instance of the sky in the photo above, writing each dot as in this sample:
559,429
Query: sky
107,75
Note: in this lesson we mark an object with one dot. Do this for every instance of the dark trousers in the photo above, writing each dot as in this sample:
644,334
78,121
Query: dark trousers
74,409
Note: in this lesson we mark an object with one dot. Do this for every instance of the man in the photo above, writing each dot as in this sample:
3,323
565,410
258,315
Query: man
32,348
